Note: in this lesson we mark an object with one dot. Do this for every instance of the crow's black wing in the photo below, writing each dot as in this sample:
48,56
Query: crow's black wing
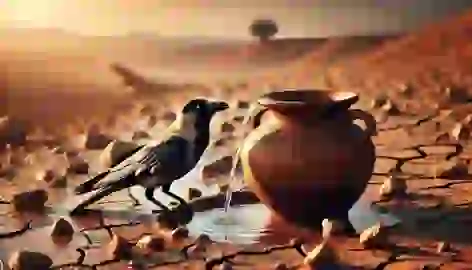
166,161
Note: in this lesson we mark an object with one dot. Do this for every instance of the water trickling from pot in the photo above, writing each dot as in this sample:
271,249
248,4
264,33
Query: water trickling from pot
232,175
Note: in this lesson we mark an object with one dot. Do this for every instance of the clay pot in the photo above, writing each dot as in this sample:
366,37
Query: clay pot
308,160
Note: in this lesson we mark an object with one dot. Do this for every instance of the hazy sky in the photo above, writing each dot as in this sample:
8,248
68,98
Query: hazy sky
225,17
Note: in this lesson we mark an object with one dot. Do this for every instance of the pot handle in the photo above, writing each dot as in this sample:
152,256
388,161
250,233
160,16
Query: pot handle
256,115
369,120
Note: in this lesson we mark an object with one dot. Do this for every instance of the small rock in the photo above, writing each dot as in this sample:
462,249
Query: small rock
139,135
238,118
12,132
321,255
30,201
443,247
227,127
240,104
456,170
46,176
226,266
220,167
390,108
169,116
281,266
378,102
393,186
442,138
97,141
116,152
28,260
374,237
78,166
62,232
335,227
201,243
180,233
149,244
147,110
194,193
460,132
406,90
59,182
119,248
429,267
457,94
152,121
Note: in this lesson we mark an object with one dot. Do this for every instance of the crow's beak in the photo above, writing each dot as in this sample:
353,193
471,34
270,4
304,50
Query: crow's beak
219,106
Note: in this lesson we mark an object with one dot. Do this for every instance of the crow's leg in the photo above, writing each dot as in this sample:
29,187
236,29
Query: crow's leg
166,190
131,196
149,193
94,198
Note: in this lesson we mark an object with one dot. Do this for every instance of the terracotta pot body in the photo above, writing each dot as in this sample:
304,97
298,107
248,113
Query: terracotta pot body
308,160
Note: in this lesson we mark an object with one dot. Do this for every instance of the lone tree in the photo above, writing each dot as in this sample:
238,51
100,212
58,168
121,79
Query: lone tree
264,29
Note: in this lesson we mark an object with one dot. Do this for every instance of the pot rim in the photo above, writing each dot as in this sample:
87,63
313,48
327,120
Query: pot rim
307,98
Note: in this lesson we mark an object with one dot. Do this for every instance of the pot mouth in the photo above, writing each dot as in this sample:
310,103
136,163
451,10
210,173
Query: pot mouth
315,98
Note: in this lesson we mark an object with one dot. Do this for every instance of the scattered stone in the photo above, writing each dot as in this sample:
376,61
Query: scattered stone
460,132
62,232
322,255
139,135
59,182
442,138
406,90
227,127
78,166
457,94
218,168
28,260
180,233
240,104
201,243
374,237
152,121
12,132
393,186
281,266
97,141
194,193
378,102
119,248
443,247
456,170
116,152
226,266
390,108
30,201
429,267
149,244
238,118
147,110
169,116
335,227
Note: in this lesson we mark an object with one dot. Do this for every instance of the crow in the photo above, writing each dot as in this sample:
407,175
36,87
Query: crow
158,165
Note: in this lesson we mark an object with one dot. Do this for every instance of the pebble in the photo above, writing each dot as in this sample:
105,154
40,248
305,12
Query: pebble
168,116
115,152
194,193
28,260
238,118
322,254
456,170
30,201
393,186
152,121
97,141
390,108
78,166
62,232
281,266
227,127
119,248
221,166
457,94
443,247
226,266
140,134
180,233
241,104
150,243
374,237
460,132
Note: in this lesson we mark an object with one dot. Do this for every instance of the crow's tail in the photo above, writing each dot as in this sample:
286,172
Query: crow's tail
89,185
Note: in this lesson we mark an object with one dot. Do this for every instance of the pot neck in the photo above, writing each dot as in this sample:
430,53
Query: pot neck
309,116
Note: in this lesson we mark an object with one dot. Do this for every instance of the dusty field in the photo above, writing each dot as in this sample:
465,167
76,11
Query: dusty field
58,131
